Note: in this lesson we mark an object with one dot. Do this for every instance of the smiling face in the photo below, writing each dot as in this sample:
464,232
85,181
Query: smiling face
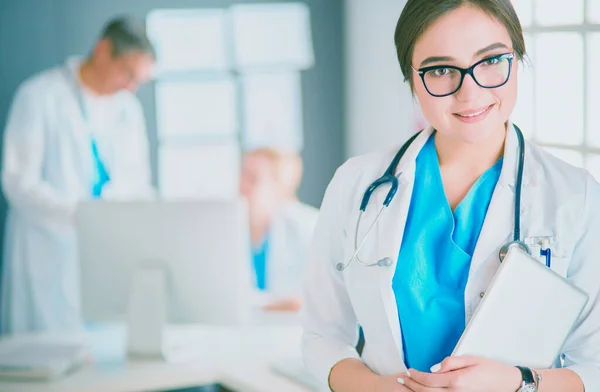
462,38
258,182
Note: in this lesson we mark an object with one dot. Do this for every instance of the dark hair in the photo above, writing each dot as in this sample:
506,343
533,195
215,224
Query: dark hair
418,15
127,35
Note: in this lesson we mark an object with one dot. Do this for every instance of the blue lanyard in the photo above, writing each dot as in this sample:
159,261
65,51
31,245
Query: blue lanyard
101,176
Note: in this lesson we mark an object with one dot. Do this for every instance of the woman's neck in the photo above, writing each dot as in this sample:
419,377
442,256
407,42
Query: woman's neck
89,78
258,232
471,157
260,222
461,164
261,218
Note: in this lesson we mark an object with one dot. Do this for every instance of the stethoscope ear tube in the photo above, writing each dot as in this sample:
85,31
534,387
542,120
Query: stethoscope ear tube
519,185
388,176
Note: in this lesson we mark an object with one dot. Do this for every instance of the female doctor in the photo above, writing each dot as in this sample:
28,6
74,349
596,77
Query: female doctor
281,227
436,247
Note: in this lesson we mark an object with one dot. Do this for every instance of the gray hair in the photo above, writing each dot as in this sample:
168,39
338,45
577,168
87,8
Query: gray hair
127,35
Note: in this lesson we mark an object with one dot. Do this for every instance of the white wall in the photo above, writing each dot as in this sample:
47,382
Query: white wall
379,107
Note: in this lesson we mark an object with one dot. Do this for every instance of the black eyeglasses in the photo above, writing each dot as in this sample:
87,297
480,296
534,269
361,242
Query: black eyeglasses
444,80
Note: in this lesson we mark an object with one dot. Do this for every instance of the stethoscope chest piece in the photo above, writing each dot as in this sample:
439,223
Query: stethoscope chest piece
385,262
513,244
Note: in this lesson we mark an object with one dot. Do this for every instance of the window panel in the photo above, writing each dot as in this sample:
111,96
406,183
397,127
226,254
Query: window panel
189,40
593,11
530,48
267,35
593,92
524,10
202,171
559,88
272,110
593,165
523,114
559,12
570,156
196,108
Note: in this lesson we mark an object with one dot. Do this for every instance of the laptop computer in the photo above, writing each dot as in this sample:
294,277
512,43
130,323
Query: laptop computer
525,316
40,360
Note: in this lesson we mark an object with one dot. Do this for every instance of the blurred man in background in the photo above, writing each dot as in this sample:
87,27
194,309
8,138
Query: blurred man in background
75,132
281,227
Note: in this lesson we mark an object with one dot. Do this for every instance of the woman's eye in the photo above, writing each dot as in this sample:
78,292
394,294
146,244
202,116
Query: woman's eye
492,61
441,72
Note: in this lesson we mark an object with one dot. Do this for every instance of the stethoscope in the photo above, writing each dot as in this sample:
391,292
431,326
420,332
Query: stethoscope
389,177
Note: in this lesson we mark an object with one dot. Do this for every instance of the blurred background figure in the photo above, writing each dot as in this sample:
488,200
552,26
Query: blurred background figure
281,227
74,132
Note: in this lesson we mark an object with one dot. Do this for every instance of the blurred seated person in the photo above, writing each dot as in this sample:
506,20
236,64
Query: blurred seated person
281,227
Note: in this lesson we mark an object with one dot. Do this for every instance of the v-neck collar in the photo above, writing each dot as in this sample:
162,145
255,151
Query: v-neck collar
434,163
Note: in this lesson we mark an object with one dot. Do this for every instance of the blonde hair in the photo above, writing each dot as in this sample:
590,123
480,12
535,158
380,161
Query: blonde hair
286,166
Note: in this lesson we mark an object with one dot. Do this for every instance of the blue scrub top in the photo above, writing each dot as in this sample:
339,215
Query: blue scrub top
260,256
434,261
101,174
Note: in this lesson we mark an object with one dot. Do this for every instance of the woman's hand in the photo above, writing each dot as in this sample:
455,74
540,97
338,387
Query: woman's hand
284,305
390,384
465,374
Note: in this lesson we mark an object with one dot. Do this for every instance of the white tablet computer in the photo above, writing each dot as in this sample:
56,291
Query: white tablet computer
525,316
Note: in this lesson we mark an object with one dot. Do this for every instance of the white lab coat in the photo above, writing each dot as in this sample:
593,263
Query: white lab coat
558,200
290,235
47,170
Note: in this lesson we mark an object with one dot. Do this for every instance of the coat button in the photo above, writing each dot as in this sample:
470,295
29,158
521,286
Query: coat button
482,294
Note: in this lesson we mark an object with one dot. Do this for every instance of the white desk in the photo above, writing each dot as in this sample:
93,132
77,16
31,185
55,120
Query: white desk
237,358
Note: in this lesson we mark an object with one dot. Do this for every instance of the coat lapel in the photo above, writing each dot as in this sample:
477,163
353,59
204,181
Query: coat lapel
389,232
498,227
80,127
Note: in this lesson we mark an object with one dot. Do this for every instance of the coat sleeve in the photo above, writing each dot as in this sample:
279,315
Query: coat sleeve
330,325
23,163
581,352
